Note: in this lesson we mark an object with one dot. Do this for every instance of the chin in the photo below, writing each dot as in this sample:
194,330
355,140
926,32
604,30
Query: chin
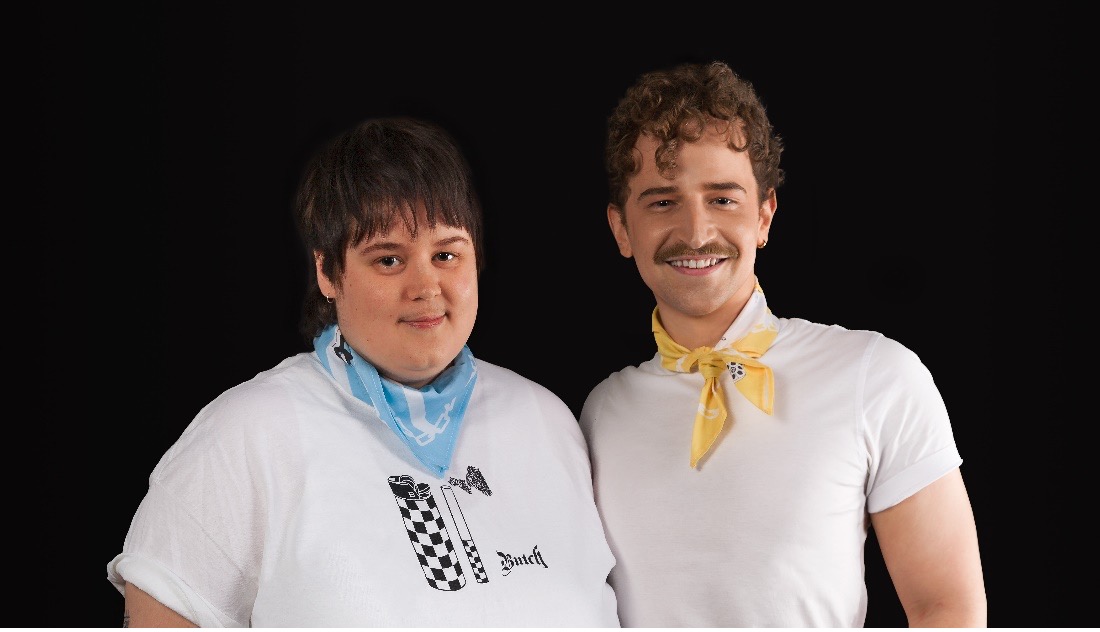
430,369
695,306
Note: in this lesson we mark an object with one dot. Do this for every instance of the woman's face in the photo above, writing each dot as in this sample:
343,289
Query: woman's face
407,305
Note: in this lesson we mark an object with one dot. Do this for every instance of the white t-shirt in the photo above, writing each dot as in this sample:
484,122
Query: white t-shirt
288,502
769,531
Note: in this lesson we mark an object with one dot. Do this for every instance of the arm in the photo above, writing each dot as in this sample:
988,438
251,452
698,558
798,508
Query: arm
143,611
930,546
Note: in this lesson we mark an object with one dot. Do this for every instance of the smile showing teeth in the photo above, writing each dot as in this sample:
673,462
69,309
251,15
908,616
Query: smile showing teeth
694,263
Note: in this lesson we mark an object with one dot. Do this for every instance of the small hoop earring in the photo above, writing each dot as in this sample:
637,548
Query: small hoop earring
761,246
328,299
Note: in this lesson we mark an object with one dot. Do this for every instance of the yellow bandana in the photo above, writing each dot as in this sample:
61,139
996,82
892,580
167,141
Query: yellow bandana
752,378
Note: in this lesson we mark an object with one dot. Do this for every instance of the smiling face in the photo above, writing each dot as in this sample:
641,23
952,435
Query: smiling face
694,236
407,304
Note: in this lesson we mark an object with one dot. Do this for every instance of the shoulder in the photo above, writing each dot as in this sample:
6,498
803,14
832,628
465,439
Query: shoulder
251,427
871,346
270,391
805,332
496,380
502,393
882,369
494,374
628,380
237,417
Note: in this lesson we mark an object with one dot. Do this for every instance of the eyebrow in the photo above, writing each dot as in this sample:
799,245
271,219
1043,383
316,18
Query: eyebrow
656,191
709,186
455,239
393,245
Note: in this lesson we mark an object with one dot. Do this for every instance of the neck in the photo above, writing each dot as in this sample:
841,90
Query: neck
693,331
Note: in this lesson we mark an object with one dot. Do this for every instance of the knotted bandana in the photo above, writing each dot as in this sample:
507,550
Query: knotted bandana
753,378
426,419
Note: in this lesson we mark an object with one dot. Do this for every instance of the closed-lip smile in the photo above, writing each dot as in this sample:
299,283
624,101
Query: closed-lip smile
425,321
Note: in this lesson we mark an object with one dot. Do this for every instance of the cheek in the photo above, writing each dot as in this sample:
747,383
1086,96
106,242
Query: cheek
466,289
647,237
462,294
746,235
366,302
368,294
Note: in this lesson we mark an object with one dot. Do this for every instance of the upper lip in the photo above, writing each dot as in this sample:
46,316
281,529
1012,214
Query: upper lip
680,252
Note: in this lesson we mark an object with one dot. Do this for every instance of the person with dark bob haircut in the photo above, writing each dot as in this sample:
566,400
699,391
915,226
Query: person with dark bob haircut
757,450
383,479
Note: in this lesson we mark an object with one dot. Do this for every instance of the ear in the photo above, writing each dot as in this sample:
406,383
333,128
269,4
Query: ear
323,282
618,229
766,215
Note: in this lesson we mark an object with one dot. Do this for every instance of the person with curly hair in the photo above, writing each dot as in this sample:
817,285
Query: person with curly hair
739,470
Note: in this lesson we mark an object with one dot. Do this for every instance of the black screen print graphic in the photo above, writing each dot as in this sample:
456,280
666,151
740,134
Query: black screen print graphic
476,565
427,528
474,480
428,533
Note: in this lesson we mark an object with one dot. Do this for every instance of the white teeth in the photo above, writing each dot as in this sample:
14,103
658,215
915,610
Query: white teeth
694,263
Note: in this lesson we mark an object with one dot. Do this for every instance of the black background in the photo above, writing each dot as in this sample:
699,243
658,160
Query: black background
923,194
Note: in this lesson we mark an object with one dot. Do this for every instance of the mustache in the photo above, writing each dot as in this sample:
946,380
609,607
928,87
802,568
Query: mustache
681,249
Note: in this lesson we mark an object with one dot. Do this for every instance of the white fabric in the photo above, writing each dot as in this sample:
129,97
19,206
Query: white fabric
769,531
274,509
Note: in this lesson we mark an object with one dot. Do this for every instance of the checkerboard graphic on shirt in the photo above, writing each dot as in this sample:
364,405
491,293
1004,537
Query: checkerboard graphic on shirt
427,532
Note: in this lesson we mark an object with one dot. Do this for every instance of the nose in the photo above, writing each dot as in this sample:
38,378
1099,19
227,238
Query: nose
698,224
423,282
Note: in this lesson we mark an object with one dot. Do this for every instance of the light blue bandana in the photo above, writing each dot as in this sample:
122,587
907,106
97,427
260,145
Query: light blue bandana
407,411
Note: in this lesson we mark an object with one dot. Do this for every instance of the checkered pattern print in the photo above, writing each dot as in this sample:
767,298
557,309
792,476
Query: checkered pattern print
433,547
475,562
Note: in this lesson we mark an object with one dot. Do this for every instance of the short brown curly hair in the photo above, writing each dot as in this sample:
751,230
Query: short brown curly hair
674,106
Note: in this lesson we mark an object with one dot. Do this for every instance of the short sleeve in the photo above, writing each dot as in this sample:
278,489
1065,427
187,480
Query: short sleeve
196,539
907,429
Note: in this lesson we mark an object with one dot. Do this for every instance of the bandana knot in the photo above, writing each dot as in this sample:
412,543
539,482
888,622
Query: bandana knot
753,378
711,363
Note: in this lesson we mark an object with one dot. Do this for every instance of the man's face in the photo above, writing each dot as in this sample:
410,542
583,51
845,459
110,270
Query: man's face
694,236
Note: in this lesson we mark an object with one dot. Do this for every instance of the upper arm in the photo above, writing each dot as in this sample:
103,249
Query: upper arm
930,545
143,611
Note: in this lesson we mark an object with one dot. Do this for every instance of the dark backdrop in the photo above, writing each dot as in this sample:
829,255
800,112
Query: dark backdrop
169,144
